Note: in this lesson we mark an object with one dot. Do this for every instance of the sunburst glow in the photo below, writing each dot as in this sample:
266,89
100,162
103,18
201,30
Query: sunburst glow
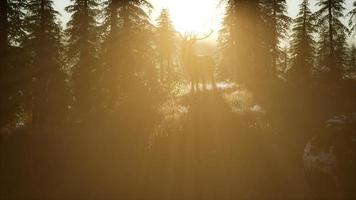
196,16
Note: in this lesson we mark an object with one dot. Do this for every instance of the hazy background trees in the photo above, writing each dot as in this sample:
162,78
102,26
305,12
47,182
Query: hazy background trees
277,24
111,49
83,45
99,90
44,45
166,46
334,34
12,76
303,43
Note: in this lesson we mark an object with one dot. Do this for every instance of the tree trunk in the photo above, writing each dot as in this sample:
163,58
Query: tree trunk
4,46
4,24
274,39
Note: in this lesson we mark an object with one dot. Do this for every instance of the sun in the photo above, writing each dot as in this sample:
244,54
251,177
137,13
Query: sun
197,16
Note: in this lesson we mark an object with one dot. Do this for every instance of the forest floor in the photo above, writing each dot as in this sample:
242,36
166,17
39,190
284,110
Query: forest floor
229,141
208,145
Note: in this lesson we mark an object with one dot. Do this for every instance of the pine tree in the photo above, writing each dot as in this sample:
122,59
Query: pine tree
334,35
128,56
227,42
109,56
136,41
82,34
351,54
303,45
12,24
165,44
241,39
11,56
352,49
136,75
352,19
285,57
44,44
277,24
111,17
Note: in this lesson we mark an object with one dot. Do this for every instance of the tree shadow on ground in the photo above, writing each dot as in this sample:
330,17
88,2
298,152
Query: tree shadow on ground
220,154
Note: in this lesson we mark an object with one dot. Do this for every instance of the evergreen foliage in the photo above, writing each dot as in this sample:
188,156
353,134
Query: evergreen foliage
48,91
12,34
277,25
242,40
227,42
351,58
166,48
82,34
333,34
303,45
352,18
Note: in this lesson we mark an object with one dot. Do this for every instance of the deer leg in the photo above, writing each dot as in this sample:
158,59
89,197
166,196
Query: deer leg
213,83
203,82
191,85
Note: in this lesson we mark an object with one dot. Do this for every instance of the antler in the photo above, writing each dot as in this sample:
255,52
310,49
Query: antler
186,36
190,36
205,36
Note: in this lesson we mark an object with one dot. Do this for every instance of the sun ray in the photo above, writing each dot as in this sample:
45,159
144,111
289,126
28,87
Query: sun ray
198,16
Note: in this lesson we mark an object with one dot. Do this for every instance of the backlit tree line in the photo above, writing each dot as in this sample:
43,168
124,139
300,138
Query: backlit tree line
108,53
320,44
88,109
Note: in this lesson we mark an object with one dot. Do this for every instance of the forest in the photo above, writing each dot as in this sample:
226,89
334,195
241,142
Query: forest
113,104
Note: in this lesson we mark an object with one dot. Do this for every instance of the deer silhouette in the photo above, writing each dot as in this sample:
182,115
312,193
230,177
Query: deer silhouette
199,68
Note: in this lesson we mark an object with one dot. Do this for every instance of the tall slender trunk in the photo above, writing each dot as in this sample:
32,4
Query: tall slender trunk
232,26
125,15
331,30
85,28
285,59
85,63
113,16
335,72
304,45
4,24
38,101
112,50
352,61
274,39
4,46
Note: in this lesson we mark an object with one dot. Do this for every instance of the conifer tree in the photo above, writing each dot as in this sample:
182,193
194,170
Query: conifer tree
12,24
109,56
241,38
277,24
352,18
303,45
351,54
110,16
128,56
82,34
137,64
138,94
165,44
334,35
44,43
227,42
12,33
